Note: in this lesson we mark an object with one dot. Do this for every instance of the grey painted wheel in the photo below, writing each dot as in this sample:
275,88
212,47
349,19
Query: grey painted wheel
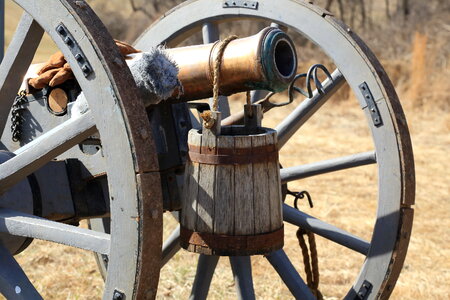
117,113
385,253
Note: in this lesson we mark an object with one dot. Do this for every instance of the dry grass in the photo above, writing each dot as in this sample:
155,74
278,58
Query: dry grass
347,199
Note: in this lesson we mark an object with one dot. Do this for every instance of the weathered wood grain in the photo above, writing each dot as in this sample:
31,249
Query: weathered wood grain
189,205
224,192
236,184
261,200
43,149
244,223
205,205
274,184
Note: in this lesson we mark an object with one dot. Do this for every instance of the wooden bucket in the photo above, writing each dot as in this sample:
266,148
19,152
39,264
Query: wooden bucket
232,199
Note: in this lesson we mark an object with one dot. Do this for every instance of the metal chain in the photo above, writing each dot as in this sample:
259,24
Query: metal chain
16,117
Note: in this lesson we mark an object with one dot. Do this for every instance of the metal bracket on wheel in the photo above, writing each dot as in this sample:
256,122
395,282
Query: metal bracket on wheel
75,49
374,112
240,3
364,291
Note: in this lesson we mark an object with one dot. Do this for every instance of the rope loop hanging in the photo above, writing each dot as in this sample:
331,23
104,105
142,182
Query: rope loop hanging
217,66
310,260
208,120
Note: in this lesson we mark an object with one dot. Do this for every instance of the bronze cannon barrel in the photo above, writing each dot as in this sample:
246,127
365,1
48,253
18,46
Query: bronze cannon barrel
267,60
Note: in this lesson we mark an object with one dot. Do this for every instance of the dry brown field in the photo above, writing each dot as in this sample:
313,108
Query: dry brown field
347,198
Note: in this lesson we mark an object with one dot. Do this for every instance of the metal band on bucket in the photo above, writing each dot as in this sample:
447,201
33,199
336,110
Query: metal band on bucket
216,244
233,156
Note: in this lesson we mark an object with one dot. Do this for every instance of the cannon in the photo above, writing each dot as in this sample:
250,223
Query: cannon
122,165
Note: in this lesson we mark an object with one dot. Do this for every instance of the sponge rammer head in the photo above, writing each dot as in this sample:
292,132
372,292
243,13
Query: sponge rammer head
155,75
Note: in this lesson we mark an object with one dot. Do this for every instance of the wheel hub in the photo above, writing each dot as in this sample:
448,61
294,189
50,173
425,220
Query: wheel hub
18,198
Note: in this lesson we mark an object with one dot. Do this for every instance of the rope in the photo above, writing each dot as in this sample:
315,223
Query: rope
208,120
217,65
311,265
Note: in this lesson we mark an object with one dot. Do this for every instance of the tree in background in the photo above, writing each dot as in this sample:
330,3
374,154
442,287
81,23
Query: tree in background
390,27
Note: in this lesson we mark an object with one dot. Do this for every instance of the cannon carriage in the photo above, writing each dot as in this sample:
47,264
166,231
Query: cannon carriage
122,164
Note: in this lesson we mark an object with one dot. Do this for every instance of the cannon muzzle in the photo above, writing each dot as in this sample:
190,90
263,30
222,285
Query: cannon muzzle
267,61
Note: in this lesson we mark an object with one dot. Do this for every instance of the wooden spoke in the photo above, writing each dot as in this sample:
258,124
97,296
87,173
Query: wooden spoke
17,59
210,32
46,147
242,272
171,246
25,225
14,284
327,166
101,225
281,263
205,271
307,108
328,231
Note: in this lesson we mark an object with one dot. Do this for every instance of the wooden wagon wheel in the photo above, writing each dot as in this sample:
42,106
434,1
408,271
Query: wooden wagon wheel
116,112
356,65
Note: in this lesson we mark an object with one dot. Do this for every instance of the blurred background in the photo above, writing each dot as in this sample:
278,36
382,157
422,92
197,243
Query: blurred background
411,38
